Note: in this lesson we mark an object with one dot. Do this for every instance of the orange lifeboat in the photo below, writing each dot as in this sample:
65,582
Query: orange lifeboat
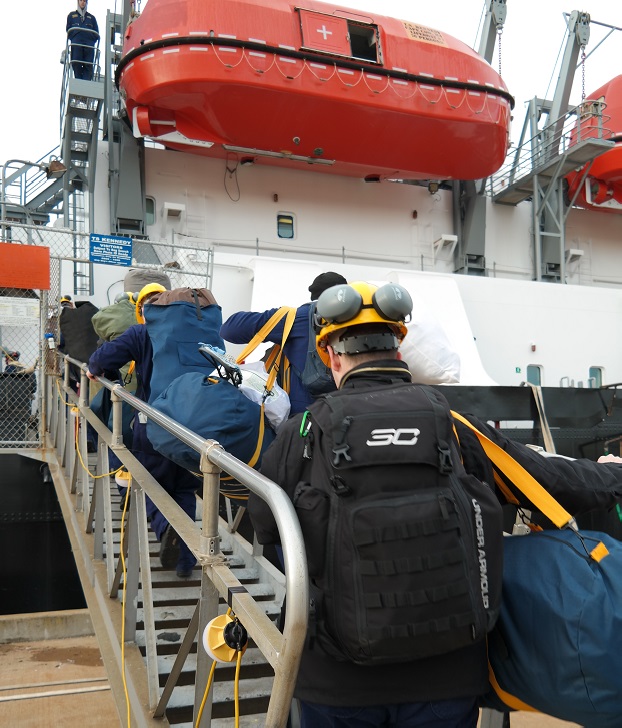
316,86
599,186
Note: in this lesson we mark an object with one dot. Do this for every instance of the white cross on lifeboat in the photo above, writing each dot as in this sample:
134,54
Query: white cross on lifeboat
324,32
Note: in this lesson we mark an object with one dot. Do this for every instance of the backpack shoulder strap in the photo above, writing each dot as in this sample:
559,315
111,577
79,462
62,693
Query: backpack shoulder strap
289,314
441,413
523,480
311,343
311,346
339,425
284,311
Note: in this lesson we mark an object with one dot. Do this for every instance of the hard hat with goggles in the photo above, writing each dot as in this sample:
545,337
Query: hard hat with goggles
343,308
146,291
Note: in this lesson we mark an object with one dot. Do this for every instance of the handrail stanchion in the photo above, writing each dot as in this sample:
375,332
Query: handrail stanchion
151,651
208,606
83,436
132,570
117,417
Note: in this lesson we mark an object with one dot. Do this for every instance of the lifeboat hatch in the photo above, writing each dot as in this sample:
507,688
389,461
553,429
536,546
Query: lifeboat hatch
339,36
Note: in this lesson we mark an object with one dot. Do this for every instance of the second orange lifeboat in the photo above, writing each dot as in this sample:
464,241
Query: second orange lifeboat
599,186
316,86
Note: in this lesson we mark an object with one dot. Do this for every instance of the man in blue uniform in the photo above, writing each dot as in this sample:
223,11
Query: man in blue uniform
83,34
242,326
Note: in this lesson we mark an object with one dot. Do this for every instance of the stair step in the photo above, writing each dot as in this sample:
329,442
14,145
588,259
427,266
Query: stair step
223,692
78,112
246,721
252,657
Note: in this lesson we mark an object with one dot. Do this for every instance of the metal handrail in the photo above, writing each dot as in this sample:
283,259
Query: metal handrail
582,122
67,71
283,651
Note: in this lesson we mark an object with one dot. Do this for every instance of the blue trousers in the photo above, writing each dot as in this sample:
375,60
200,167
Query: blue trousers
178,483
459,713
82,61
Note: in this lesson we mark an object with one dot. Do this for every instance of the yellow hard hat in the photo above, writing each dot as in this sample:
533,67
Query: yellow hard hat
145,291
348,306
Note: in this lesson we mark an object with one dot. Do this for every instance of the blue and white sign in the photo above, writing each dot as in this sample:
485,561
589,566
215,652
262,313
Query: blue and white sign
110,249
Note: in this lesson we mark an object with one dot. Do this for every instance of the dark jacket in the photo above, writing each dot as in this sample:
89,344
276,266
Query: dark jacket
80,29
579,485
241,327
134,345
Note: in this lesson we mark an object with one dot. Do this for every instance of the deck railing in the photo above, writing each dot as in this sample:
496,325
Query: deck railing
581,123
67,417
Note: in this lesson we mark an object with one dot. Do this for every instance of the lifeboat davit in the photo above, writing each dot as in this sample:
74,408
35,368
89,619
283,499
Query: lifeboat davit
601,188
315,86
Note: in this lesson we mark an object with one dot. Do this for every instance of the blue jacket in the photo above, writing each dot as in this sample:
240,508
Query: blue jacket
78,29
134,345
242,326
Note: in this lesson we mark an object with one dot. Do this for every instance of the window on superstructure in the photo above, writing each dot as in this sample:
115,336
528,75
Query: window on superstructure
150,208
285,226
534,374
596,377
363,42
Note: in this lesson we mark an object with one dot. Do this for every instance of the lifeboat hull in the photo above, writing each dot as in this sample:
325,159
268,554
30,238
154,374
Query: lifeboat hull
599,187
253,80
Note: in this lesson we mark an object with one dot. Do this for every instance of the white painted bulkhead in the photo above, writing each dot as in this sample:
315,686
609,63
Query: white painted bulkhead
387,231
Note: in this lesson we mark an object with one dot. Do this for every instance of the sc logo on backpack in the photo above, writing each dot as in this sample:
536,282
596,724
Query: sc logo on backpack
392,436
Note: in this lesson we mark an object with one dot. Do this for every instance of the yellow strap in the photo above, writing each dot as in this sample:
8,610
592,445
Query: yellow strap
271,359
502,485
263,332
510,700
287,327
286,375
257,453
525,482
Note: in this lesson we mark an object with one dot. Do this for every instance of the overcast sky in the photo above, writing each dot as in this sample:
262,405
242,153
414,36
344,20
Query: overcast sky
32,36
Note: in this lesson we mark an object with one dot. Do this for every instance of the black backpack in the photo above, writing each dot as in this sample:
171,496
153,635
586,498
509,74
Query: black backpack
404,547
316,377
78,337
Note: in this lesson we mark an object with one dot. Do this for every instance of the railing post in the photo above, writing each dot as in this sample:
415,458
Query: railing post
117,419
151,650
83,402
208,609
101,492
130,586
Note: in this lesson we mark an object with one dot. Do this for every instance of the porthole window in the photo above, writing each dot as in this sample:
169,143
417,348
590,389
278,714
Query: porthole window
534,374
596,377
150,208
285,226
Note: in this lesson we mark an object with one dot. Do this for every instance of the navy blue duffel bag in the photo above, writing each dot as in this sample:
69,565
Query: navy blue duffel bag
557,646
215,409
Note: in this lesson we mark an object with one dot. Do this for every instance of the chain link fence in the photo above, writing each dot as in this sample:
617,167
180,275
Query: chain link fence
28,315
20,377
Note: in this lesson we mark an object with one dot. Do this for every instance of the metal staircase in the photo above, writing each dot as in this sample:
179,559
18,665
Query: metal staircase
547,157
175,612
31,194
150,623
